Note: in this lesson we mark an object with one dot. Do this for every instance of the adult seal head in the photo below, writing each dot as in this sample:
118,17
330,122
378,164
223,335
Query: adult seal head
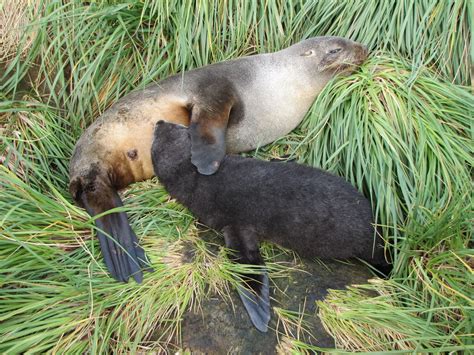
232,106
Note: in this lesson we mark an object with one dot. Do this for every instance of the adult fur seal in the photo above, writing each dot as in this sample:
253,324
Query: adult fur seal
306,209
235,105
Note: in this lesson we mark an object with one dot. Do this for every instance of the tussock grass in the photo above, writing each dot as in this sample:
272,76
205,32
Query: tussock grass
292,329
400,317
400,129
15,18
405,142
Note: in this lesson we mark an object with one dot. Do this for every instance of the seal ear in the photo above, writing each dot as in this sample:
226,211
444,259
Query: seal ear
207,131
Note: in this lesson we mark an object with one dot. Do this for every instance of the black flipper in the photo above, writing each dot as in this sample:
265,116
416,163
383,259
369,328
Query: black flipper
208,148
123,256
257,302
254,290
209,118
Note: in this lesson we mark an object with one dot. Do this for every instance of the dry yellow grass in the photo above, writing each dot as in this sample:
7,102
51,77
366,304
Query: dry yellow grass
15,18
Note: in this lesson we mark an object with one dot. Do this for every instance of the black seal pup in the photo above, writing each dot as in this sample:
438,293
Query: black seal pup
305,209
234,105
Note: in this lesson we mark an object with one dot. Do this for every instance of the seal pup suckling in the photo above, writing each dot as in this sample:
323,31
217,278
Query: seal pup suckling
234,106
308,210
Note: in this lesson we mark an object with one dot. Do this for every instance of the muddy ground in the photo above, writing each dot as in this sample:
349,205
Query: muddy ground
220,329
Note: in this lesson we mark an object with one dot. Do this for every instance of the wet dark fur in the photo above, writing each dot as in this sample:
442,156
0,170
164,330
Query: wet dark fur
308,210
222,104
305,209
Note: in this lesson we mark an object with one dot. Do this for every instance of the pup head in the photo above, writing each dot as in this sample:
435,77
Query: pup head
171,146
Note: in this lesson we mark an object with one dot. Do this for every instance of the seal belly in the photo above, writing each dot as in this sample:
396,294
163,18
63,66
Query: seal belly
122,137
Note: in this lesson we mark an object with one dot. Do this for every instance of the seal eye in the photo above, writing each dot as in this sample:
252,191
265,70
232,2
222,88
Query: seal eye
335,50
308,53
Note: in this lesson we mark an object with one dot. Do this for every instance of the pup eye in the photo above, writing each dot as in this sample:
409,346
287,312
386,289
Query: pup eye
308,53
334,51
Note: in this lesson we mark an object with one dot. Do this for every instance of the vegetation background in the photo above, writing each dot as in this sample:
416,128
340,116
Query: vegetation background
400,129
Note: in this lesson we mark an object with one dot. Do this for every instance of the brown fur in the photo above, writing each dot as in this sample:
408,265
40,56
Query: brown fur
232,106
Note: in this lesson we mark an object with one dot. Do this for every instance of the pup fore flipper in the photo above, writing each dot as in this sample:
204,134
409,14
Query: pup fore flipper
254,288
256,300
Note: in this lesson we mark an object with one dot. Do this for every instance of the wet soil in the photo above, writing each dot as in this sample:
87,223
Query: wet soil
220,329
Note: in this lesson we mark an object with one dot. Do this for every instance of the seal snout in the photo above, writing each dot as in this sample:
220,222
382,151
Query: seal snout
365,50
361,52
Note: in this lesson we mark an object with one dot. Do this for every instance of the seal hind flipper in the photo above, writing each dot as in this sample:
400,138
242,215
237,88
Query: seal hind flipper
254,290
123,256
119,245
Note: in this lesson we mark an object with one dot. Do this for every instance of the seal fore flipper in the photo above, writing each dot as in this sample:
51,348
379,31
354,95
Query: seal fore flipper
208,126
123,256
208,149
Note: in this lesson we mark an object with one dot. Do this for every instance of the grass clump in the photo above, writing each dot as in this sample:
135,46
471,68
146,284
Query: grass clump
405,142
400,129
15,17
427,307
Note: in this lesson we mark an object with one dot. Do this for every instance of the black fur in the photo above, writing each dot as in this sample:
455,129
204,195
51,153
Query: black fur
305,209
